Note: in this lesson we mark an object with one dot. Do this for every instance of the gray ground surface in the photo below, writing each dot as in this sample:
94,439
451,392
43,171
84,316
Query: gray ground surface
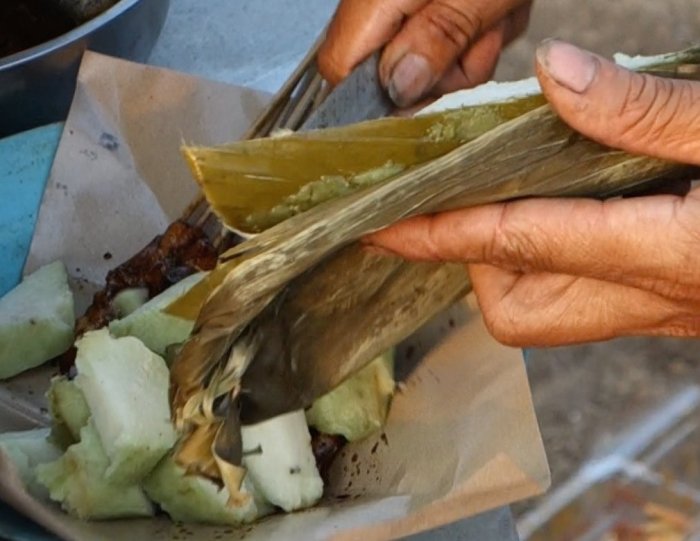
606,27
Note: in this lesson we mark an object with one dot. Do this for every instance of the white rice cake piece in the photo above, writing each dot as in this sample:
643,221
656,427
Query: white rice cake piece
27,450
129,300
126,388
280,462
191,498
78,481
68,408
152,325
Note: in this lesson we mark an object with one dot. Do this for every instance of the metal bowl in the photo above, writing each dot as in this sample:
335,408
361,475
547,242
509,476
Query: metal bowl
37,85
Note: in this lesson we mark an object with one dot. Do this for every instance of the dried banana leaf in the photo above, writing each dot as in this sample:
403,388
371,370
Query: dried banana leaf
388,298
299,307
254,185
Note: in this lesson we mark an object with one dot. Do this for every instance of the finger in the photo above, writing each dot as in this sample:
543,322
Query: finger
517,23
479,62
545,310
619,108
476,66
359,28
432,40
647,242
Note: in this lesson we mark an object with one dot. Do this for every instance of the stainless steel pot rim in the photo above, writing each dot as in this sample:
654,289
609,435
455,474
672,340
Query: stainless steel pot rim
73,36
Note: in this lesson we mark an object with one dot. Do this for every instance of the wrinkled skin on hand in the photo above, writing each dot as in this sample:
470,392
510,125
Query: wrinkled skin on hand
550,272
430,47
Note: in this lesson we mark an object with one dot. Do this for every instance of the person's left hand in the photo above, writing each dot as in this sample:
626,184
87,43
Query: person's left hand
428,47
550,272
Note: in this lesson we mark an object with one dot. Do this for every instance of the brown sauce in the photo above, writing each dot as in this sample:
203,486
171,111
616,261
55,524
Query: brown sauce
326,448
169,258
27,23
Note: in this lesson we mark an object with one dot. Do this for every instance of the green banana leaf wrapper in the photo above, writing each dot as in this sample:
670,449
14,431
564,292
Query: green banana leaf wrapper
254,185
296,309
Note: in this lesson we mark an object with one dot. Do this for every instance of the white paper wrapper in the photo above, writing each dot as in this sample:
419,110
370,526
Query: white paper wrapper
119,179
462,437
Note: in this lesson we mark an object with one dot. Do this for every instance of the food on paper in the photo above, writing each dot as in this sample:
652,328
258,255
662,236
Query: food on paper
36,320
191,498
79,480
358,407
156,328
126,389
115,417
280,463
128,301
27,450
179,252
69,411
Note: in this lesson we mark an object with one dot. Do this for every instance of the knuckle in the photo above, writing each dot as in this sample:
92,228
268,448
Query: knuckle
497,326
512,243
635,109
680,285
392,13
518,21
502,324
328,59
651,108
434,240
331,67
432,244
685,326
456,25
681,280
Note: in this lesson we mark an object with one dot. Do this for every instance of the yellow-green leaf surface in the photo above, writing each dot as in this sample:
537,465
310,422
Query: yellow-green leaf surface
253,185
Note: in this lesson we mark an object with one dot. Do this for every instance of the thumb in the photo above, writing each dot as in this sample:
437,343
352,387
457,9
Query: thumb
433,38
639,113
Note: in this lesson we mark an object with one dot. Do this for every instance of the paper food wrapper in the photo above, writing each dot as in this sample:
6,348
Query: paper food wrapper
461,438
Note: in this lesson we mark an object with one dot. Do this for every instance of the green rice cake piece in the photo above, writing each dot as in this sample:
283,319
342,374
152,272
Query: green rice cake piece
78,481
27,450
126,389
152,325
191,498
68,408
359,406
37,319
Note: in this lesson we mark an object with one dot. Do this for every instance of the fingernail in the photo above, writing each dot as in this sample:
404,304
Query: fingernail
568,65
410,80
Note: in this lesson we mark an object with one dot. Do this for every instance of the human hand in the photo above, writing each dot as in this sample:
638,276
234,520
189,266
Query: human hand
432,46
550,272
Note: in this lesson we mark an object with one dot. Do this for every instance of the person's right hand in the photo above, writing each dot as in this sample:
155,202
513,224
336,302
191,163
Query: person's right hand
431,47
553,272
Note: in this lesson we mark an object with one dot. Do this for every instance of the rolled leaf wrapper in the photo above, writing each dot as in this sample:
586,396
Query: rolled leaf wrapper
292,312
253,185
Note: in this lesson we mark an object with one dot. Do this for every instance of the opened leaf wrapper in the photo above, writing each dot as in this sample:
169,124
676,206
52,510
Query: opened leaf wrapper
256,184
283,313
253,185
466,404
